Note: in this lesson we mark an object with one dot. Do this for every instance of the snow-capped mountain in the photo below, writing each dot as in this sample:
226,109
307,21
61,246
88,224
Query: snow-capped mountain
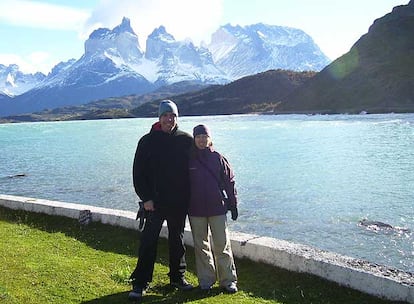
106,67
61,67
115,65
105,70
242,51
180,60
13,82
4,97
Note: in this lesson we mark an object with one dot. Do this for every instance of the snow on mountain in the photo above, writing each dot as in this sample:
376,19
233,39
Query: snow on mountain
120,42
157,42
180,60
242,51
108,56
103,71
13,82
60,68
4,97
115,65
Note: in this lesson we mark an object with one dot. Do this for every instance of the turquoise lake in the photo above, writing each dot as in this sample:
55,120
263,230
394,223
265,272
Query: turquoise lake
305,179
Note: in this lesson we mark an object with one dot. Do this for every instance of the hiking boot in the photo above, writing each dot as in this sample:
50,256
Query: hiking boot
231,288
137,293
181,284
206,287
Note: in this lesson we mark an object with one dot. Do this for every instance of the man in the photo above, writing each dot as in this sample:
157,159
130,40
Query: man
161,180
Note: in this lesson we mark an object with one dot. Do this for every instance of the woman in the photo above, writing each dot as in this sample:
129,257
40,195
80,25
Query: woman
210,174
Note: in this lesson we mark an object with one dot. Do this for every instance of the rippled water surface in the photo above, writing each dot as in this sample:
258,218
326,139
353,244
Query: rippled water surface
306,179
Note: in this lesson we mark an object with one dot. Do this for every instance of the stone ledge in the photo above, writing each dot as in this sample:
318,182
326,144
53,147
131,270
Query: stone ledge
374,279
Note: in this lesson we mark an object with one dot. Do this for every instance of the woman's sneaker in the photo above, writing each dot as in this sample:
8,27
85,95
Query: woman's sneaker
231,288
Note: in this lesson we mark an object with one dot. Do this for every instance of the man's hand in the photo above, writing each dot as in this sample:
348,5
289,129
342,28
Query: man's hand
149,205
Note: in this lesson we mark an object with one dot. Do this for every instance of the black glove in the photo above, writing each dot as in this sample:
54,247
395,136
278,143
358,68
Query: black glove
141,216
234,213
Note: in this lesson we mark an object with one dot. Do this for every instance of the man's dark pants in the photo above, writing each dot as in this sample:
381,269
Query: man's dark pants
147,253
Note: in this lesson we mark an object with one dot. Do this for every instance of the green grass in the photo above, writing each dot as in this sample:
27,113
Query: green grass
45,259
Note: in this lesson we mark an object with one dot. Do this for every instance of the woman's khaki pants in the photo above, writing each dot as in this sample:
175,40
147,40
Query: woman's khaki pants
220,259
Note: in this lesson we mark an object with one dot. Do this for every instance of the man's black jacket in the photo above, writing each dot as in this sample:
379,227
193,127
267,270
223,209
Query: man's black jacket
160,170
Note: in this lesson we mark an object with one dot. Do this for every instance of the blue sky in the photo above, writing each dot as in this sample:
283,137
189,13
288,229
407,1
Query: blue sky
37,35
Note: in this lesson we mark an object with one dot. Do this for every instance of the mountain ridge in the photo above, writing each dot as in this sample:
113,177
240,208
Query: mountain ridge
115,65
258,93
375,76
260,47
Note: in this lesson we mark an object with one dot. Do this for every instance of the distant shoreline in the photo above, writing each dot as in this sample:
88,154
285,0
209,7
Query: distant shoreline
34,117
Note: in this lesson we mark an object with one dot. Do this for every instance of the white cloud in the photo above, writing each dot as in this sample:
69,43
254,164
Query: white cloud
195,19
34,62
37,15
42,15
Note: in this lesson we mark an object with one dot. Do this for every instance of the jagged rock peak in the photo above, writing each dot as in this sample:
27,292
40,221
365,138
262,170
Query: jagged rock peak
13,82
161,33
158,42
121,39
125,26
61,66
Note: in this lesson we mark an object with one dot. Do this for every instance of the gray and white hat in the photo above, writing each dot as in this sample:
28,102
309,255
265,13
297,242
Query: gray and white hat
167,106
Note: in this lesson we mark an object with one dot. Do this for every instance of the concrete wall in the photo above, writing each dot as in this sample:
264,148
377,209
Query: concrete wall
361,275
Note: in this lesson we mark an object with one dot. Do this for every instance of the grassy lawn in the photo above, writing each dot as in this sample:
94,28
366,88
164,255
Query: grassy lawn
45,259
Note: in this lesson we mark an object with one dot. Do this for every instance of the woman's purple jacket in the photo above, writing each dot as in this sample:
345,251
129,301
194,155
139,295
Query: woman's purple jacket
206,198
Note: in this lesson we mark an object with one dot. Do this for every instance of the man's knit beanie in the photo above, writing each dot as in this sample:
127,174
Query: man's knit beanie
167,106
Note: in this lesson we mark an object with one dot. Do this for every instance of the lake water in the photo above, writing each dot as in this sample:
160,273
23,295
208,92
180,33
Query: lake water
306,179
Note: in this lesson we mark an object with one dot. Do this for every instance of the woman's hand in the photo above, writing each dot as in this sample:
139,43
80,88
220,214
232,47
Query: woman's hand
234,213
